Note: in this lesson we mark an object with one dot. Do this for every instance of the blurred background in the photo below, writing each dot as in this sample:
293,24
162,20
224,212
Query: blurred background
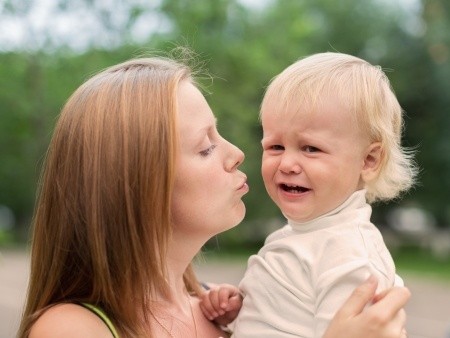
49,47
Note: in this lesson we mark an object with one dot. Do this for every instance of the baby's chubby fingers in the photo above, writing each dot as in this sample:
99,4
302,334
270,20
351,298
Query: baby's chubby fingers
226,294
221,303
207,305
234,303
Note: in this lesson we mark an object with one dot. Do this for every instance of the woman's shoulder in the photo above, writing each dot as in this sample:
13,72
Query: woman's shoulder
69,320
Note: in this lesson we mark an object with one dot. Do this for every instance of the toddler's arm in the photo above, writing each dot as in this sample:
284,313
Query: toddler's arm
221,303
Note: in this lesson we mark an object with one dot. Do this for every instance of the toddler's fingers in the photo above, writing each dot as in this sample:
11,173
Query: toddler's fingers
207,307
234,303
224,296
208,312
216,300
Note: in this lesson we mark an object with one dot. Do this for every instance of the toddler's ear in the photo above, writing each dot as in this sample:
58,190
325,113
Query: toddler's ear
372,161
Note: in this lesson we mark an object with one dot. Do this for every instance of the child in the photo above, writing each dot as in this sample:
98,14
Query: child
331,145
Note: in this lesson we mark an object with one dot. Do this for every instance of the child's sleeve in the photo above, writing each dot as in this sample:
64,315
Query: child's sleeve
341,272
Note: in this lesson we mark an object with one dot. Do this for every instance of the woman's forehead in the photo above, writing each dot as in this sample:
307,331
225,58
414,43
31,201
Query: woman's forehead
194,114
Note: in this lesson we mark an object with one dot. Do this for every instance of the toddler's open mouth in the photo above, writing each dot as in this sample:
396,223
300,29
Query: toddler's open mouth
294,189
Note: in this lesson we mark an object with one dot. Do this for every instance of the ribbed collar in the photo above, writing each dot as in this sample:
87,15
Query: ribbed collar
354,207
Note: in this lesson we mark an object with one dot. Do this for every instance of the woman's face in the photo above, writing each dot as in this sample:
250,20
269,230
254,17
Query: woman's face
208,186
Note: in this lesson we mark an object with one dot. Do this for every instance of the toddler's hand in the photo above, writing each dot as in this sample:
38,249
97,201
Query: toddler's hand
221,303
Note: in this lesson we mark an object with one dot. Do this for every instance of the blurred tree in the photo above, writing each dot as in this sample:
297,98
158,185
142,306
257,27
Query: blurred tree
243,47
222,34
40,74
431,102
247,47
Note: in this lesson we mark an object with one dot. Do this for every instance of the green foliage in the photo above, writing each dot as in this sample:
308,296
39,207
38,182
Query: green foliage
414,260
243,48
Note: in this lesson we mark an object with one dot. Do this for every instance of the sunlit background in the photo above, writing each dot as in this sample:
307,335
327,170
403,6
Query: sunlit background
49,47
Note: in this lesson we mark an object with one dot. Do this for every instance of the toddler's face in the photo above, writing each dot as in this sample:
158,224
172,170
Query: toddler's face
312,159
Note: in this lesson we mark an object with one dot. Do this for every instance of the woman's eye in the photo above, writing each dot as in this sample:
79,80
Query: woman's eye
208,150
311,149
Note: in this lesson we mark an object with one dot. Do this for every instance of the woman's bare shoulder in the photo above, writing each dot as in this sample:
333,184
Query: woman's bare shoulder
69,321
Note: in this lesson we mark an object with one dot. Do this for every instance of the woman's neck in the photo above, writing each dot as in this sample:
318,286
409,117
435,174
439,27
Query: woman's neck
179,256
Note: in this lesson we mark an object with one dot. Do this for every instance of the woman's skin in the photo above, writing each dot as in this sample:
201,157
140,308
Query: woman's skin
207,200
385,318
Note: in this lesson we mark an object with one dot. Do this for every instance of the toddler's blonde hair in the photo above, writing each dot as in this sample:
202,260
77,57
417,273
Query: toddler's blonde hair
366,91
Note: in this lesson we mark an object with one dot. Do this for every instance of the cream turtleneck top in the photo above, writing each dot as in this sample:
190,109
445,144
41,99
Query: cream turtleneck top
305,272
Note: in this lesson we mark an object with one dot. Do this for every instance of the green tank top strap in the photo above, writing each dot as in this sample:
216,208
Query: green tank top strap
102,315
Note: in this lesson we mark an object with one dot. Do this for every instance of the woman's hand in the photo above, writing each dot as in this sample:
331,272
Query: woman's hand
383,318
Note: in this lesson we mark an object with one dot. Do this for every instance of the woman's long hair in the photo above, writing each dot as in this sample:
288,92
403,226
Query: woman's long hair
102,217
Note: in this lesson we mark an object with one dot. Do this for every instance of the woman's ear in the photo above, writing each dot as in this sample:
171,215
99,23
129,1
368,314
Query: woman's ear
372,161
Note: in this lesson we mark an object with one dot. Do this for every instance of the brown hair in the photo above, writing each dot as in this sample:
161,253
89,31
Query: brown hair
102,218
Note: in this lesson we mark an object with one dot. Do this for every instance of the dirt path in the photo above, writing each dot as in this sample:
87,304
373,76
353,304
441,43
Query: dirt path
428,311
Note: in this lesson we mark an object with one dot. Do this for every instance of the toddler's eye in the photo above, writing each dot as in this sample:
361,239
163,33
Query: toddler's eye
208,150
311,149
276,147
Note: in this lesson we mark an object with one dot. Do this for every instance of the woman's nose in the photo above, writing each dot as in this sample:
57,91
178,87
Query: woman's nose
235,157
289,164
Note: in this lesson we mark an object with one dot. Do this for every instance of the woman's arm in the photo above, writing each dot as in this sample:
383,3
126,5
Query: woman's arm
385,318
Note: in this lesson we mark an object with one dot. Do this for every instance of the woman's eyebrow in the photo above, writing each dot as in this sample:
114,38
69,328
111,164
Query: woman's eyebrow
209,126
198,134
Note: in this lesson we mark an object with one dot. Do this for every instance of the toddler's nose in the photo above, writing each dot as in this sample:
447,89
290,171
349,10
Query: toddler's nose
290,165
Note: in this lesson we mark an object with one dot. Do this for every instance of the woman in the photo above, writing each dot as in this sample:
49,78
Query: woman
136,180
